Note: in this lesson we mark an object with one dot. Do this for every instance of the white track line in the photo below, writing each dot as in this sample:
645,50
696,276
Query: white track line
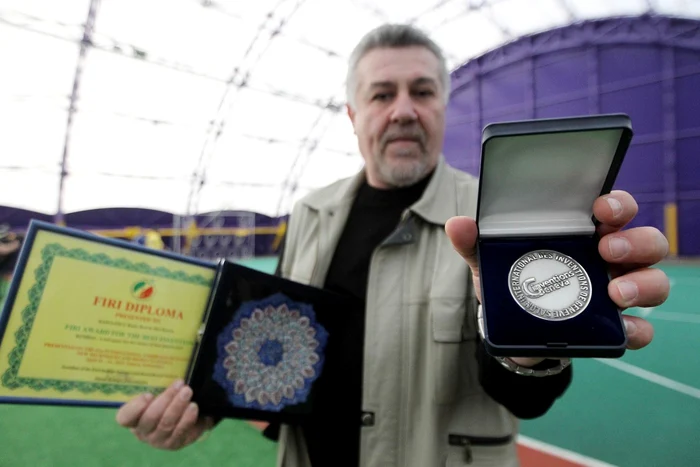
672,316
652,377
561,452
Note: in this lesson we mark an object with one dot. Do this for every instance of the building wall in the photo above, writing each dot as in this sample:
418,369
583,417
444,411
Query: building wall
646,67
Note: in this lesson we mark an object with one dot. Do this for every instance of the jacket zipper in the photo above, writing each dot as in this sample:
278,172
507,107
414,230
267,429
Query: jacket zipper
369,299
402,397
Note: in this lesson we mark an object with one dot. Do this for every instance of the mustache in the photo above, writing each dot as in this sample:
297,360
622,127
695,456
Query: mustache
406,133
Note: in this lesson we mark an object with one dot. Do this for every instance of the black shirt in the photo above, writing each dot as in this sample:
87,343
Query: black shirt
333,436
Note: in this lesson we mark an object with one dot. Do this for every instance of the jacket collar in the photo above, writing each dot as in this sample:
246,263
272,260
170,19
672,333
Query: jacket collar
437,204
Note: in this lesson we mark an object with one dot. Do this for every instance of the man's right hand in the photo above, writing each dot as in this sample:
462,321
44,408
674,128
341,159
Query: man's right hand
168,421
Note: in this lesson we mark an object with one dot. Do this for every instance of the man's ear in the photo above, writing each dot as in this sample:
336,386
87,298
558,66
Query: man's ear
351,115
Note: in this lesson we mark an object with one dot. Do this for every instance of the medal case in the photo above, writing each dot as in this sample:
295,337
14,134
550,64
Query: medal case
544,285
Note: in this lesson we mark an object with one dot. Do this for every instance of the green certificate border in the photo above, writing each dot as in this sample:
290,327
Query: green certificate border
11,379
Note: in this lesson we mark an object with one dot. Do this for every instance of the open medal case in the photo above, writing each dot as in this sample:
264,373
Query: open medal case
543,282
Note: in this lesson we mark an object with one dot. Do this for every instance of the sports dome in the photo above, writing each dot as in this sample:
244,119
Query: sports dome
189,106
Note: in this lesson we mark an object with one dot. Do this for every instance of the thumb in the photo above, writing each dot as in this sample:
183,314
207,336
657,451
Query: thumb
462,232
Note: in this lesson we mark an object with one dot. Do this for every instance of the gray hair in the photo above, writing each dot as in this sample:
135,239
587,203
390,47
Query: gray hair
393,36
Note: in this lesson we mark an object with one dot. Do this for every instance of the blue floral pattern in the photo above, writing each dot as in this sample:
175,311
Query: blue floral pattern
270,354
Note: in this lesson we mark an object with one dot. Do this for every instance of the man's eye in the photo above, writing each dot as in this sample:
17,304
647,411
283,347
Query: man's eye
382,96
425,92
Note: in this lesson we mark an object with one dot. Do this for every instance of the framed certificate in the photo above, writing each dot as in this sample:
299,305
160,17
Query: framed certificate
90,320
93,321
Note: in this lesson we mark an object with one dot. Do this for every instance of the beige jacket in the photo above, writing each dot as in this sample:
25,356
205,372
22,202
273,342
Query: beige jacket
422,402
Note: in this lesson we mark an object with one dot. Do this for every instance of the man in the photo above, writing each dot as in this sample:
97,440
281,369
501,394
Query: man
416,388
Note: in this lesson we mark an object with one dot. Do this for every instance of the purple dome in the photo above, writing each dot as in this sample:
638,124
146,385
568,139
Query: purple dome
647,67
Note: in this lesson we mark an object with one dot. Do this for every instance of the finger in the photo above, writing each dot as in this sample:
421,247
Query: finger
639,332
201,430
151,417
614,211
640,246
139,436
462,232
172,415
185,426
129,414
645,288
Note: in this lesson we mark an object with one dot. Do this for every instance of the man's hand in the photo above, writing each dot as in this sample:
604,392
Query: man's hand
629,253
168,421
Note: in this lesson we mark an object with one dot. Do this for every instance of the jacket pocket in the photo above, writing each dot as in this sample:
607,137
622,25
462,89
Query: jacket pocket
455,372
464,451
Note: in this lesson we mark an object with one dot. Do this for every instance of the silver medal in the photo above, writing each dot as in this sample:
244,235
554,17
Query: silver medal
550,285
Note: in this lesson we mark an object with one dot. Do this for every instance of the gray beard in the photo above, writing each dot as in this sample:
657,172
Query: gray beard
403,175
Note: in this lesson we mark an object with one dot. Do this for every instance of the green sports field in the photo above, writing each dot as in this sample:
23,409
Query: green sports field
644,409
641,410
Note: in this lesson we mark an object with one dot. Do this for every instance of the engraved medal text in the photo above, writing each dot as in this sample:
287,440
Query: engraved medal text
550,285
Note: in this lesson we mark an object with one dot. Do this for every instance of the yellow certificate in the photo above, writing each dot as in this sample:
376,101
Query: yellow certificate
92,320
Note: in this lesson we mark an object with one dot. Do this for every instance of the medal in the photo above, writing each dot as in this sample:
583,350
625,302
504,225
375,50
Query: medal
549,285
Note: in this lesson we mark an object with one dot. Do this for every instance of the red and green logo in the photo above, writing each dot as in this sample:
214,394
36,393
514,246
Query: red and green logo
142,290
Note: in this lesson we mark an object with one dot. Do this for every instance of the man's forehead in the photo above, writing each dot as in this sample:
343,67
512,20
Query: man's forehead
394,65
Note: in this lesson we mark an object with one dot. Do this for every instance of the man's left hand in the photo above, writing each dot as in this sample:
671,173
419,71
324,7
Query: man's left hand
629,253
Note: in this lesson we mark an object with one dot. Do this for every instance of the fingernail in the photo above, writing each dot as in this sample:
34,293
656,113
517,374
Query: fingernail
615,205
630,327
178,384
148,396
185,393
628,290
619,247
192,407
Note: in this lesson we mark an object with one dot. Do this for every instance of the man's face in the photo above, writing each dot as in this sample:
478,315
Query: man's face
399,114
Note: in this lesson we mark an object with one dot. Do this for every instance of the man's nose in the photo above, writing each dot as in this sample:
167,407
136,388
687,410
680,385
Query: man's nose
403,109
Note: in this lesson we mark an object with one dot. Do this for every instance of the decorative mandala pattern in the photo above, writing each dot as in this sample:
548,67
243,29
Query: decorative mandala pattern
270,354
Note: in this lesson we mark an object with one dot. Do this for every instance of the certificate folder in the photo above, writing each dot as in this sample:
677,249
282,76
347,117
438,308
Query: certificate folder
91,321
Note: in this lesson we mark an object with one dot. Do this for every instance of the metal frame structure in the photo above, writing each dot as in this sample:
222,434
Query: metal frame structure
671,32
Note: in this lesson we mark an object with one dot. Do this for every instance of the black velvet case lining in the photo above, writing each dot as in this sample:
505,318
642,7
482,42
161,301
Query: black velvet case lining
598,328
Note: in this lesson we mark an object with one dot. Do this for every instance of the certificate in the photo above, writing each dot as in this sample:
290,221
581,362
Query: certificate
94,320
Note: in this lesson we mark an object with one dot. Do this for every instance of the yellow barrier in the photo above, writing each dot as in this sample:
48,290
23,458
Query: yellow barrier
282,229
671,227
133,231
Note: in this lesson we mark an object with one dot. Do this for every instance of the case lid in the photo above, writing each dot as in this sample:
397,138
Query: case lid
541,177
